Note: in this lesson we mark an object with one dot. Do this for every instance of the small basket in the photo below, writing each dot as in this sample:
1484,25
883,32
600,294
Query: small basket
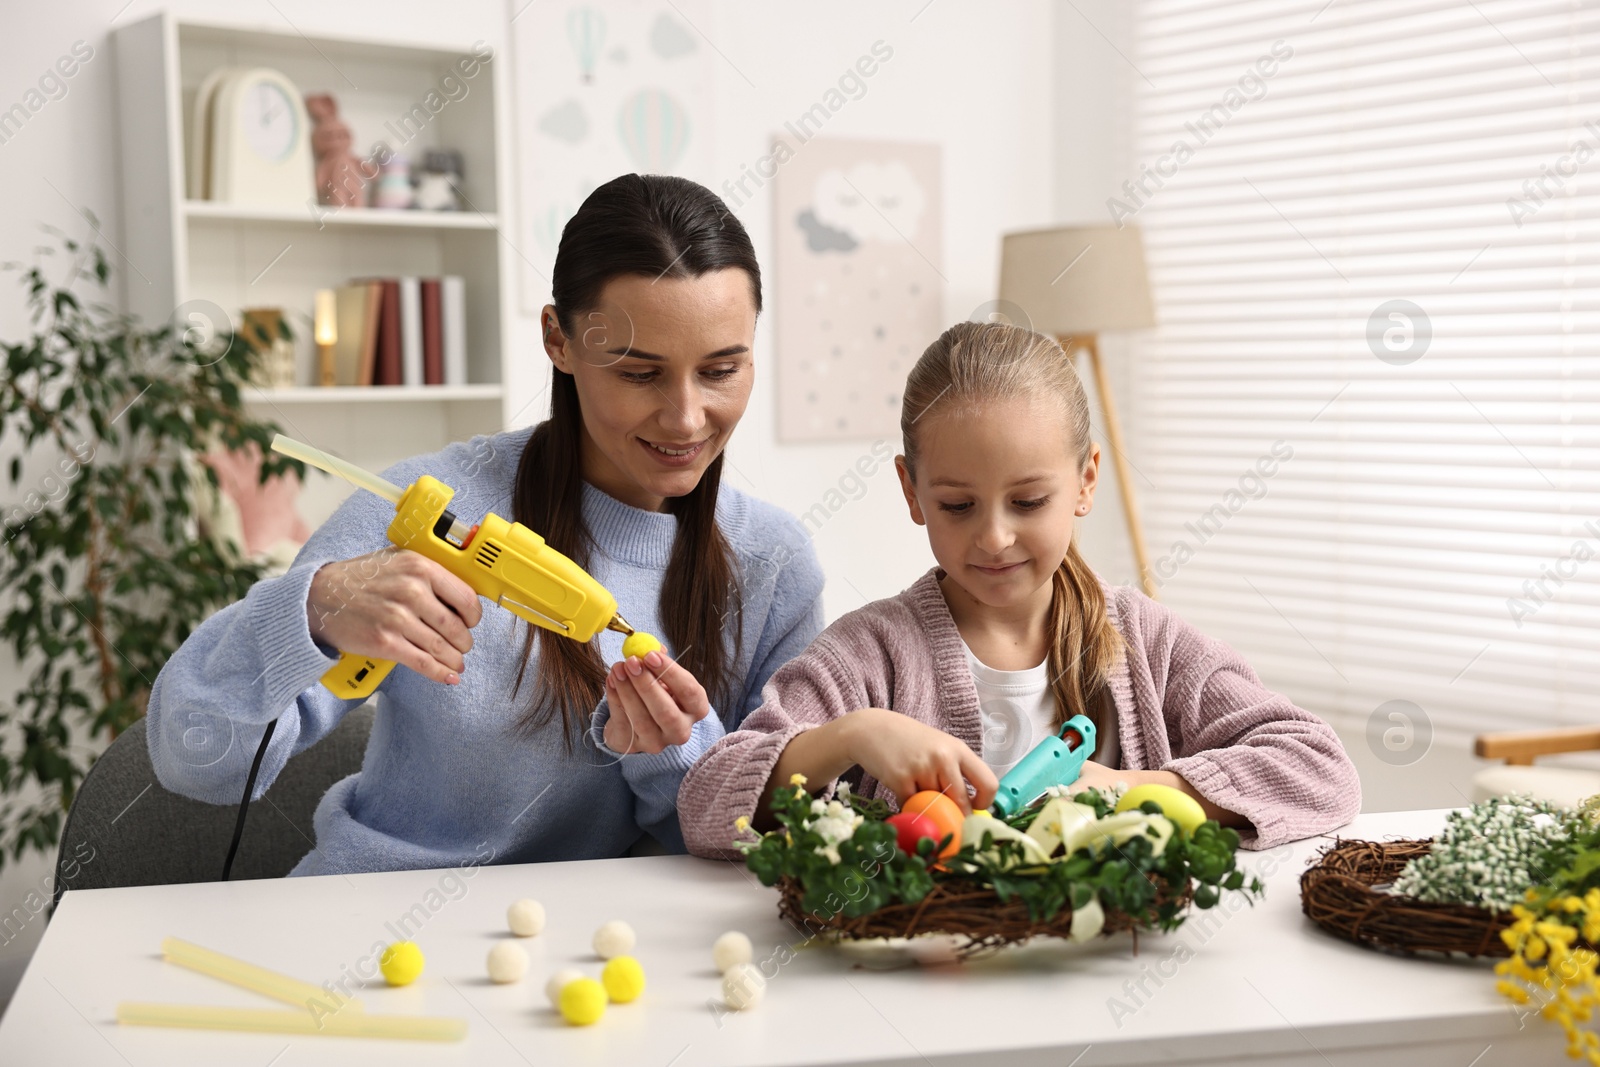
1339,893
957,908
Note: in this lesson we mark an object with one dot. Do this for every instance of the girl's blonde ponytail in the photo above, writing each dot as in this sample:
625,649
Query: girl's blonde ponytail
1084,646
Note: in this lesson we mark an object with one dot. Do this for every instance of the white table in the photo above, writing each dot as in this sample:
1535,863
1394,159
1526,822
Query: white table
1263,983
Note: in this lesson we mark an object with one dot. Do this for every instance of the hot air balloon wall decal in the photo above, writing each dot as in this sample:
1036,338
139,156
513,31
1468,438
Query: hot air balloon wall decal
586,32
628,86
654,129
548,224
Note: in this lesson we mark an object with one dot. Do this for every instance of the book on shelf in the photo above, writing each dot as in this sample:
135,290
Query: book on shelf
389,370
410,331
407,331
356,317
453,312
432,334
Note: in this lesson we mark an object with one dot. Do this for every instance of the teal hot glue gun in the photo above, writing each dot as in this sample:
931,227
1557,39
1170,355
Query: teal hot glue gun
1057,760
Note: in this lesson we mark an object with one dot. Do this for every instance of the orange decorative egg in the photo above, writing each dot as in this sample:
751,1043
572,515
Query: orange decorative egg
944,813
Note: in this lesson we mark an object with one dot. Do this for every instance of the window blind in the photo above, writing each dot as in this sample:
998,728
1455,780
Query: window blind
1368,426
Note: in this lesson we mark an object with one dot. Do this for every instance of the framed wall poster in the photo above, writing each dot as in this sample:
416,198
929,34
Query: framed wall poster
603,88
859,286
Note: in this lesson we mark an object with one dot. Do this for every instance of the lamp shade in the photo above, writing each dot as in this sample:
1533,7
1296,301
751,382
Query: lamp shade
1078,280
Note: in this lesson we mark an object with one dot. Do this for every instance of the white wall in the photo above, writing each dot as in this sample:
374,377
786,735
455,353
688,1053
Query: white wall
1092,37
982,80
977,80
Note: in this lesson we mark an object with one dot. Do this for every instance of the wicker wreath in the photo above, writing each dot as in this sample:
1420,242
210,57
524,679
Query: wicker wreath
965,909
1339,893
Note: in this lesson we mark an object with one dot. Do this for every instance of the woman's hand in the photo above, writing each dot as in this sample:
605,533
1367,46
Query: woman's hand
397,605
908,757
654,702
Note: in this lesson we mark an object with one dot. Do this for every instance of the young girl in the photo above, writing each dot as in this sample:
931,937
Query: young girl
948,684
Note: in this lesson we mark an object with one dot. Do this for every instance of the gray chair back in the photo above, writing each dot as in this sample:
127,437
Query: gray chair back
126,829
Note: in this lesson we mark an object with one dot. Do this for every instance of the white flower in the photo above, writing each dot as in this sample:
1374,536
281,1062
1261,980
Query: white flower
835,829
1485,854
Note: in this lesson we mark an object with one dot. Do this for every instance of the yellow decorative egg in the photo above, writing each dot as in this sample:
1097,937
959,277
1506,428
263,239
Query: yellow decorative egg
1180,807
623,979
639,644
583,1001
400,963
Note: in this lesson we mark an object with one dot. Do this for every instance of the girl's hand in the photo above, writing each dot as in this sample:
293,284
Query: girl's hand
394,604
654,703
908,757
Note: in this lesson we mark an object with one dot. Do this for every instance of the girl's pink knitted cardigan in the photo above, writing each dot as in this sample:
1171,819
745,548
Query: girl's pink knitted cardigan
1185,703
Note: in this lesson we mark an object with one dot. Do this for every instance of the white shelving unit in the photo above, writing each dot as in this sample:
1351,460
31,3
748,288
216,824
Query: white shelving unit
238,256
202,211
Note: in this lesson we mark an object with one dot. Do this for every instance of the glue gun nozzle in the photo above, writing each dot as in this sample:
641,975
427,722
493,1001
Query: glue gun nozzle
619,624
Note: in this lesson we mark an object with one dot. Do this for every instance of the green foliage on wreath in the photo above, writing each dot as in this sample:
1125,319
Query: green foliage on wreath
873,872
1570,866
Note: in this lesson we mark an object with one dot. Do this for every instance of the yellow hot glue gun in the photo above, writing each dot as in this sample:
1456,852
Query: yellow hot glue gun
504,561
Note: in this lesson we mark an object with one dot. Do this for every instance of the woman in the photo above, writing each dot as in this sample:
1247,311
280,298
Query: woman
501,742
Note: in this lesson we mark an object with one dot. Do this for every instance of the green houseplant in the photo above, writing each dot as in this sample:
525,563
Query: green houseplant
105,568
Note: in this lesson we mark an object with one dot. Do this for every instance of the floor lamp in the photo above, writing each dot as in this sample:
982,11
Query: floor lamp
1074,284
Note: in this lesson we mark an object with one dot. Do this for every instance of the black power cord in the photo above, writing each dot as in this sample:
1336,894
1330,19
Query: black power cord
244,804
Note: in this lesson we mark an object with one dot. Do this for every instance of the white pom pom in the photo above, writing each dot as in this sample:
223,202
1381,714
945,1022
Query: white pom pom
526,918
730,949
507,962
613,939
558,981
743,987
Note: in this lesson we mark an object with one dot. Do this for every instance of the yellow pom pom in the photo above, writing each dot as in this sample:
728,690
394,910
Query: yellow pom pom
401,962
797,778
741,824
583,1001
623,978
639,644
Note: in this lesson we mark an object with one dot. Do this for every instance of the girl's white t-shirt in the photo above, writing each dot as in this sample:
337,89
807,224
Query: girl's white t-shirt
1017,711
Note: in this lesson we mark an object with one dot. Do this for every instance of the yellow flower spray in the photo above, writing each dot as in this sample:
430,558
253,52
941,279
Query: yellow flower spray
1545,958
